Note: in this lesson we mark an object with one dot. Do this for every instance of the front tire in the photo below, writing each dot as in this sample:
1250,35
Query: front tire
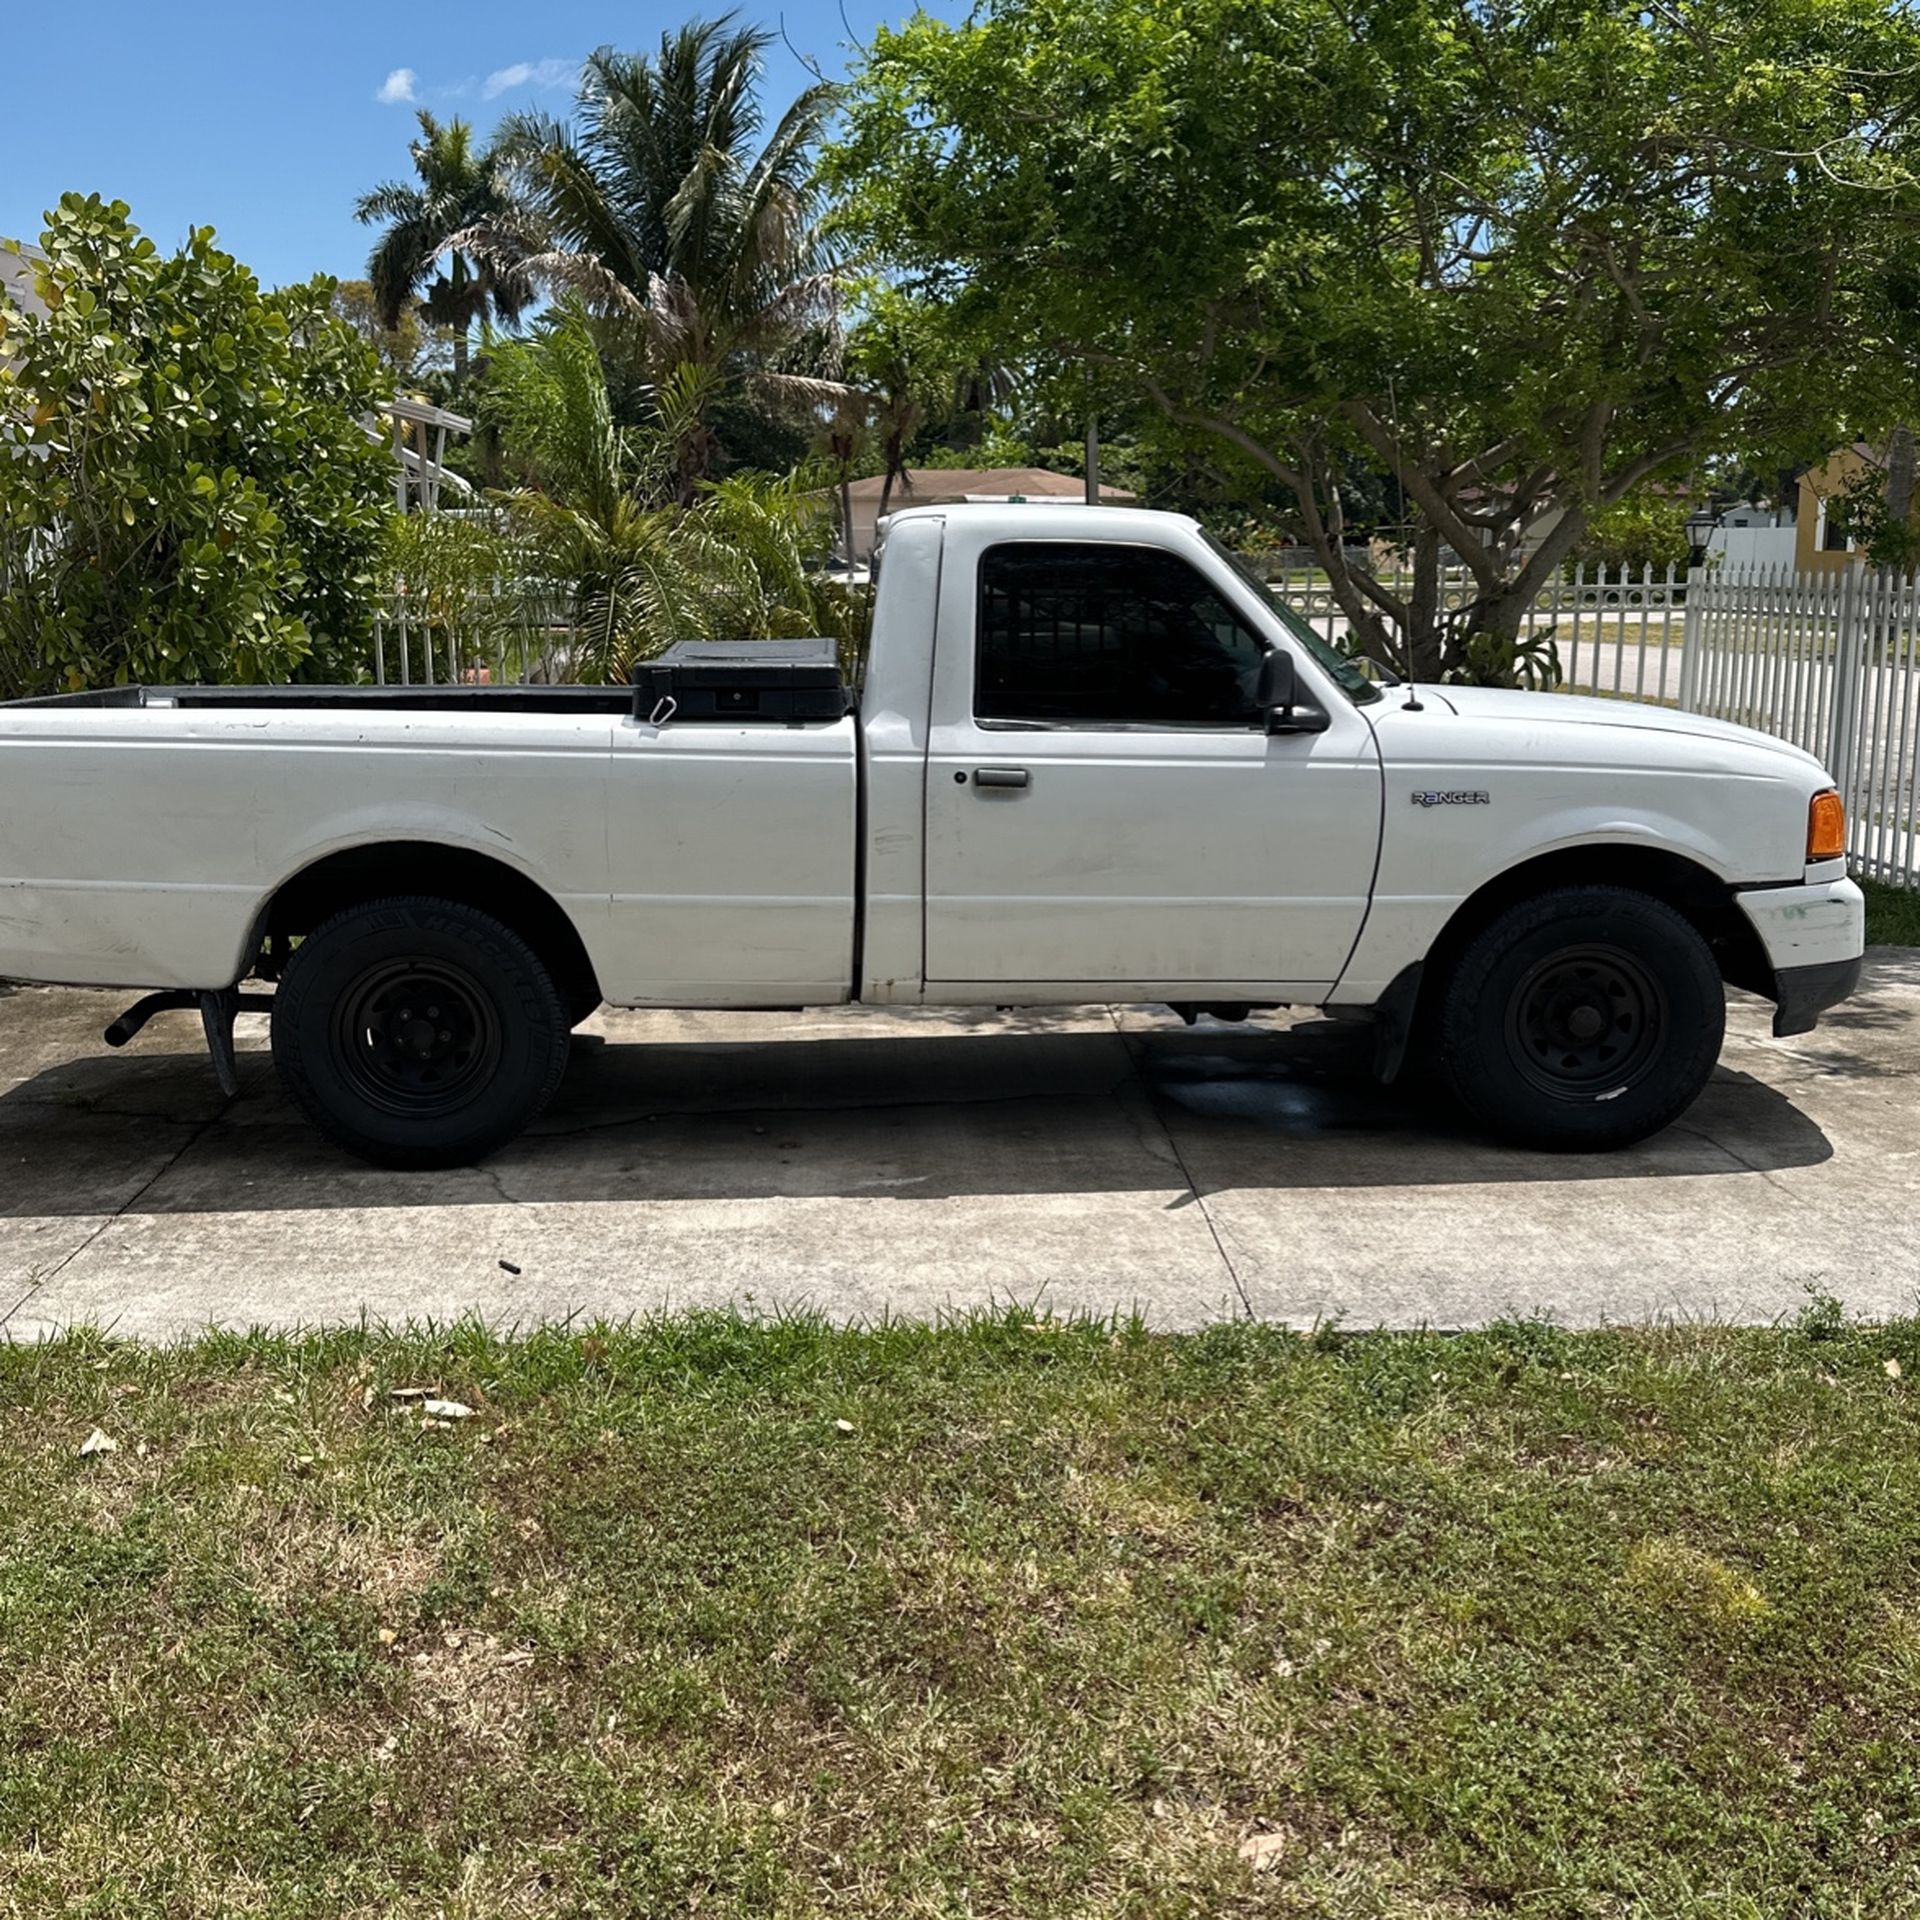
1582,1020
418,1032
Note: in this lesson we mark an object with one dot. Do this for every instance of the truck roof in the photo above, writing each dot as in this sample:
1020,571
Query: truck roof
1055,518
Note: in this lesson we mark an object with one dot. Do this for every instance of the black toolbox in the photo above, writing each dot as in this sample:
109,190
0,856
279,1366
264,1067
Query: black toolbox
786,680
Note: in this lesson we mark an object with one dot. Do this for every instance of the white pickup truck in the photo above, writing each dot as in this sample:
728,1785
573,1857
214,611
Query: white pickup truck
1091,760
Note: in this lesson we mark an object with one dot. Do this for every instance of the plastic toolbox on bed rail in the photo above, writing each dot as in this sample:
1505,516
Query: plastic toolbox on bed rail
788,680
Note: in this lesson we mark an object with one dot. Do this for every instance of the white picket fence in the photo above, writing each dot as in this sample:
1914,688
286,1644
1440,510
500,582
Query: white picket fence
498,635
1616,630
1830,662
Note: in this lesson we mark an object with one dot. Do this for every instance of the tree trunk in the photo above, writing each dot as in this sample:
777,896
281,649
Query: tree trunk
1900,465
1424,648
459,358
1499,616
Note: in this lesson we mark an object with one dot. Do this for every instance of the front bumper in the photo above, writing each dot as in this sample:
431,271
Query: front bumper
1814,936
1803,994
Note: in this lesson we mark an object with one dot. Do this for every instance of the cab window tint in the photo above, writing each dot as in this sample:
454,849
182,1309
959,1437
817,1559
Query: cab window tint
1109,635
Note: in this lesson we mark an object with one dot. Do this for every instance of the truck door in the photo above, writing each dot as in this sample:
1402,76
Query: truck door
1104,805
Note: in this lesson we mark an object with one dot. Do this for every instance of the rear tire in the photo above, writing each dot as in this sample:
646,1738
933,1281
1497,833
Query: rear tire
418,1032
1581,1020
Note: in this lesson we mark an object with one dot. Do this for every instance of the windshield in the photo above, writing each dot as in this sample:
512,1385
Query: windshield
1352,679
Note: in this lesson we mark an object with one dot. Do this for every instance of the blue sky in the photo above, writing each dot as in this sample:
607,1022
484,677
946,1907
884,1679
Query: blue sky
265,119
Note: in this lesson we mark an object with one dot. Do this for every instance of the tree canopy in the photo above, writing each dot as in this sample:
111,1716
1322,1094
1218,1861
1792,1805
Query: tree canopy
1523,255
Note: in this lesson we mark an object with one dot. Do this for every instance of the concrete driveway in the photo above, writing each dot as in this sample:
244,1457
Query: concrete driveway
867,1163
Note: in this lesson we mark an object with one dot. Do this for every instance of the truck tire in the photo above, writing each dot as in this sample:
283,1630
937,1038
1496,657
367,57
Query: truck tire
1583,1019
418,1032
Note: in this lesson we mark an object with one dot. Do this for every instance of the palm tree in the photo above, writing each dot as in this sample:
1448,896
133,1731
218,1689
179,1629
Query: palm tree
593,509
693,239
419,253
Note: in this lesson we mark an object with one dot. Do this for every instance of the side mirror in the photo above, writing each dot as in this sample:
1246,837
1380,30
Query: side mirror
1277,694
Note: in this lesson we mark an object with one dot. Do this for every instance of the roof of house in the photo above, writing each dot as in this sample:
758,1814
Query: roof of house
928,486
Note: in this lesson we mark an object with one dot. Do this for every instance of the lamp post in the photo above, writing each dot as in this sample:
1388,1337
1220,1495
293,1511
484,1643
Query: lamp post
1700,525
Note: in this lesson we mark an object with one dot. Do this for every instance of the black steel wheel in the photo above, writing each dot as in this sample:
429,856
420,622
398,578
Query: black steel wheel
1584,1021
1588,1017
418,1032
416,1036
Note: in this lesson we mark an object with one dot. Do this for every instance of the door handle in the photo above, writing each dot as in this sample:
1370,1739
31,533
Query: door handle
1002,777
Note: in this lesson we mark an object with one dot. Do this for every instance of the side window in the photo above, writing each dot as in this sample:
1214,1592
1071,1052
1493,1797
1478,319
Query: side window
1103,634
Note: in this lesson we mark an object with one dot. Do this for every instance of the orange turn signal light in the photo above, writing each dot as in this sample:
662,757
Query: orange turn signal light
1826,827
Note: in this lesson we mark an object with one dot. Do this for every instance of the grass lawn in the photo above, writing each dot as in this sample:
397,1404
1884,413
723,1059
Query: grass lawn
998,1619
1893,915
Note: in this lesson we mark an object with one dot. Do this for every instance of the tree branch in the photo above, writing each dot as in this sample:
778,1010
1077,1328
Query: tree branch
1452,525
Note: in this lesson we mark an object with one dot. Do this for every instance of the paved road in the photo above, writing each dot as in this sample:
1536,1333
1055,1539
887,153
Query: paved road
865,1163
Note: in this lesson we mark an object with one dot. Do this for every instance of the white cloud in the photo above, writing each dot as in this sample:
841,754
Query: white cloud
529,73
397,88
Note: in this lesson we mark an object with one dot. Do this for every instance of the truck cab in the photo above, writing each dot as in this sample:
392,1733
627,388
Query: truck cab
1075,792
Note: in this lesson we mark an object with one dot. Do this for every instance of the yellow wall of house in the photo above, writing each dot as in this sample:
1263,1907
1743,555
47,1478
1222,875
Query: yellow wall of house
1824,482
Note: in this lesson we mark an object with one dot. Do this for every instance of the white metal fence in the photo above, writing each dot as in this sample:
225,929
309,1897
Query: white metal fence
501,635
1616,631
1830,662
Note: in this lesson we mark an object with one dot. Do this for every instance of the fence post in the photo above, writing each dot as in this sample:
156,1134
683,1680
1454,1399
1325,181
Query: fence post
1693,638
1850,654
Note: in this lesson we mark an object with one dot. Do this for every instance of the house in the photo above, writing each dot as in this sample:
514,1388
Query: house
1825,543
16,278
16,275
943,486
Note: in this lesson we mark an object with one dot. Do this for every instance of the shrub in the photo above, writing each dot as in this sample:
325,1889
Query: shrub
1646,529
187,489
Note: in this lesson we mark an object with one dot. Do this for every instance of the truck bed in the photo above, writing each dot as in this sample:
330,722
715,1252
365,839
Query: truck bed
322,699
708,861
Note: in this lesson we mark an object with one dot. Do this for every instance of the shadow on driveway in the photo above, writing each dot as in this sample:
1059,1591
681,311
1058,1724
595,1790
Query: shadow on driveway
901,1115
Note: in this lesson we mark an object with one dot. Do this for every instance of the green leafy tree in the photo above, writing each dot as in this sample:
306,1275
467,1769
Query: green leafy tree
682,222
911,377
187,488
457,187
1523,257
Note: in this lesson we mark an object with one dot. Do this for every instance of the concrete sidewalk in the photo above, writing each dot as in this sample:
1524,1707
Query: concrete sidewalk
868,1163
